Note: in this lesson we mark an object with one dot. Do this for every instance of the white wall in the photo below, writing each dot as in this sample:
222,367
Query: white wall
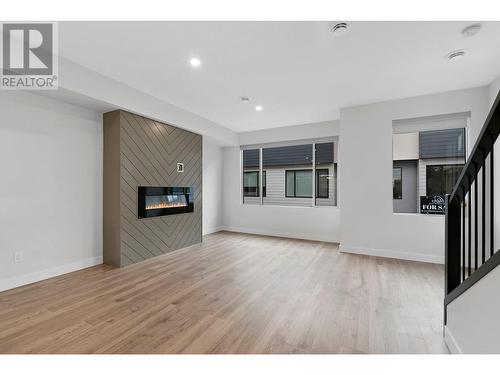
314,223
290,133
368,224
51,190
463,333
493,90
212,186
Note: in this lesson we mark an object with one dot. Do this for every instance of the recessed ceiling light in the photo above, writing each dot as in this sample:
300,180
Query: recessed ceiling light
245,99
195,62
258,108
456,55
340,28
471,30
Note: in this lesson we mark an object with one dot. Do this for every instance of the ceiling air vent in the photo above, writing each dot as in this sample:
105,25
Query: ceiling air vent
340,28
455,55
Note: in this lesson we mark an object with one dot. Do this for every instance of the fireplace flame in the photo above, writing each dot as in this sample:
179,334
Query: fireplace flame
167,201
165,205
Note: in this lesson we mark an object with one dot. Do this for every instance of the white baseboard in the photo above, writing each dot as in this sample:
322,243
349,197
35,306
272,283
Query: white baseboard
392,254
212,230
263,232
33,277
451,343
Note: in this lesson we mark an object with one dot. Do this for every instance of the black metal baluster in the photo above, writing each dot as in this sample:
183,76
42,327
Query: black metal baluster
475,219
469,240
483,214
492,228
463,236
452,244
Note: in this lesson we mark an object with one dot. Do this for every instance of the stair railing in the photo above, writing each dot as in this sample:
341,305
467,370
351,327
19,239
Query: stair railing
470,252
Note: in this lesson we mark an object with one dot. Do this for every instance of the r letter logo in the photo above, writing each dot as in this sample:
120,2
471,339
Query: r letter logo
29,56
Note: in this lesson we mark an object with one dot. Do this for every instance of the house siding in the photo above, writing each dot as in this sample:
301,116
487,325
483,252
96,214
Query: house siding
277,160
275,188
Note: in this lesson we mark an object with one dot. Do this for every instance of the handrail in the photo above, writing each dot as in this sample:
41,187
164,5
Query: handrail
486,139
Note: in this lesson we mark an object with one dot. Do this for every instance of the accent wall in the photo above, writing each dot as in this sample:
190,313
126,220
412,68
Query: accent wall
143,152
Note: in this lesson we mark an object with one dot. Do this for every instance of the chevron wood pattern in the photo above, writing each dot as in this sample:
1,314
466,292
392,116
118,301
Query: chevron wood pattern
149,153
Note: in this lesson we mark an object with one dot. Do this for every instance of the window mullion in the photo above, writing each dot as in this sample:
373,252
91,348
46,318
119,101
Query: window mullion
242,179
260,177
313,177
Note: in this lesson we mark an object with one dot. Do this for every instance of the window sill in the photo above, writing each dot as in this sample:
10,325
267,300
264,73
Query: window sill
414,214
286,206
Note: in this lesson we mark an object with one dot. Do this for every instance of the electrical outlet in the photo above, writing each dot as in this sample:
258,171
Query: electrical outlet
18,256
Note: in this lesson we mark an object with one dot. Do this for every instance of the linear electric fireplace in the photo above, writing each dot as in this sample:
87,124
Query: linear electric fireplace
160,201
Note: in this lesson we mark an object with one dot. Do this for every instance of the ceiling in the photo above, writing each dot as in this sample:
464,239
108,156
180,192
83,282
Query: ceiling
297,71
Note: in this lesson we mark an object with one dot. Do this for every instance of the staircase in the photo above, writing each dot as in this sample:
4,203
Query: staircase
469,239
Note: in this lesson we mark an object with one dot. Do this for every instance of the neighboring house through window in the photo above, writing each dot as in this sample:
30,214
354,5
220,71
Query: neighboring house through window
289,176
429,154
299,184
397,183
440,179
251,165
263,183
251,184
323,178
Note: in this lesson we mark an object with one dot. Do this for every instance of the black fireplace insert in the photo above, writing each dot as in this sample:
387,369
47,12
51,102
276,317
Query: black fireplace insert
160,201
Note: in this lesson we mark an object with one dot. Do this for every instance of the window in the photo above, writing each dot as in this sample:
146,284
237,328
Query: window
289,174
430,153
251,165
299,184
251,184
326,175
397,183
322,179
286,172
440,179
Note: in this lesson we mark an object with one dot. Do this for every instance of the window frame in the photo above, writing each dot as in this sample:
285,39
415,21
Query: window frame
418,125
318,171
295,182
258,184
401,174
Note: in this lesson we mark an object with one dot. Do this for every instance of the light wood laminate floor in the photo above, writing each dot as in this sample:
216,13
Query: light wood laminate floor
235,293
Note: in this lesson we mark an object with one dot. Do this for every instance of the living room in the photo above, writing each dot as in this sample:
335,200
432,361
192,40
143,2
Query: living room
224,187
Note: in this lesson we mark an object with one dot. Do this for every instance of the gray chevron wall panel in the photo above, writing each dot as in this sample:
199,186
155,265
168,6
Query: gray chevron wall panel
146,153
